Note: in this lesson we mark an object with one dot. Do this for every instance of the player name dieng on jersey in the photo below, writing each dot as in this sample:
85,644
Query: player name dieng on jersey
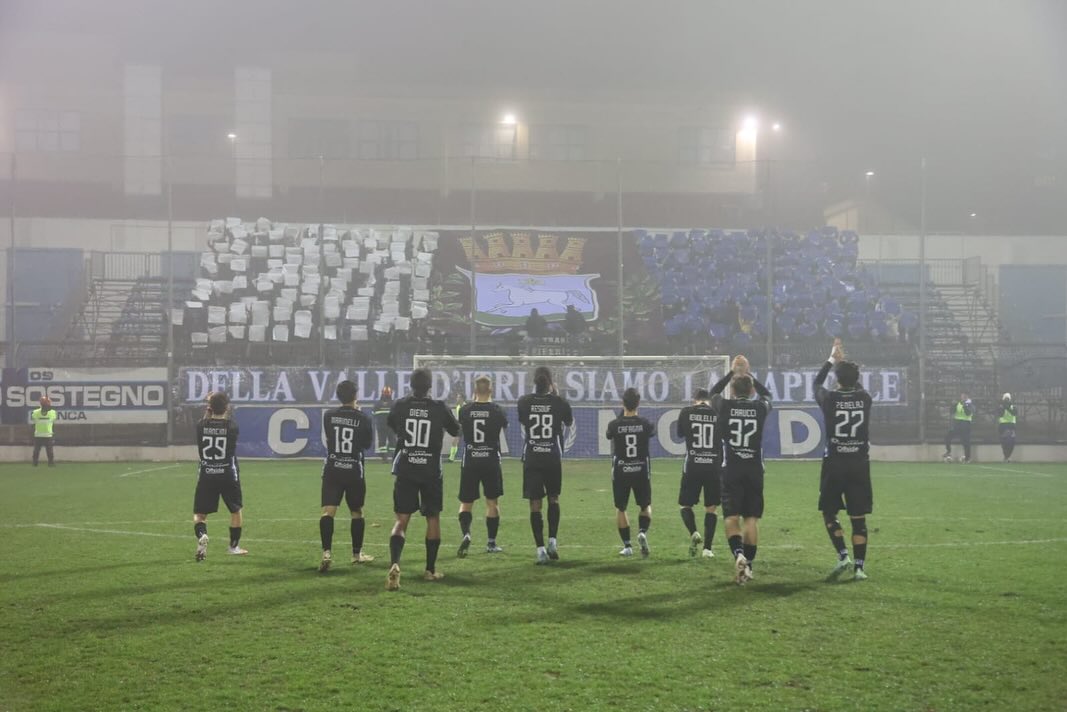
420,424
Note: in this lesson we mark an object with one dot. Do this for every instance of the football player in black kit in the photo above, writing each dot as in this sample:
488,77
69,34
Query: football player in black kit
348,433
846,466
741,418
482,422
216,442
542,415
701,470
631,471
420,424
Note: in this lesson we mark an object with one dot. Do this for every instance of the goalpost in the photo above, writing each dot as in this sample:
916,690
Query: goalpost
592,384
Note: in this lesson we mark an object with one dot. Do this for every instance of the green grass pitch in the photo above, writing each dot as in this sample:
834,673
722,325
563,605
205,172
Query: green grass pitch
103,606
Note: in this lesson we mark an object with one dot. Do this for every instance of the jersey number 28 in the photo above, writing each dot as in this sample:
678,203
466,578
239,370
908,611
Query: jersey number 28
541,426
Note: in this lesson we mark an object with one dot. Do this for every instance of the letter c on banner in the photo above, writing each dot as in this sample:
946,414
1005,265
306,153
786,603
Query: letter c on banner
789,447
274,431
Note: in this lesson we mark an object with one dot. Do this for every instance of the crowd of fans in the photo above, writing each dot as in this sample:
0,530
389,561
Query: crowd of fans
714,284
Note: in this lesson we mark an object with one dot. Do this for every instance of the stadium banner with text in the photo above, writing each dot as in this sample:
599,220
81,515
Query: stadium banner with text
581,385
87,395
296,431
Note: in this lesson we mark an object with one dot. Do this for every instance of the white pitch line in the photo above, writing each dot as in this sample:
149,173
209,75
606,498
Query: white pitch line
935,545
151,469
1014,471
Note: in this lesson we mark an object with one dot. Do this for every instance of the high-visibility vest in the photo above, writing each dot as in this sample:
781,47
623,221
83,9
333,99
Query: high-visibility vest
43,422
962,414
1007,417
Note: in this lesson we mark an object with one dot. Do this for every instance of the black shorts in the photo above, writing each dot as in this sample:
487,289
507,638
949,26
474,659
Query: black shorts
742,491
846,485
622,484
480,474
541,479
695,479
338,484
425,497
210,487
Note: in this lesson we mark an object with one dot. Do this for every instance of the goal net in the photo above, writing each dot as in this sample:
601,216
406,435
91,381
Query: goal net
593,386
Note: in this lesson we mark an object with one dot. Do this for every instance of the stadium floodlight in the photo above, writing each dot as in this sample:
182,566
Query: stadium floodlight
869,174
509,119
232,136
776,127
750,124
974,215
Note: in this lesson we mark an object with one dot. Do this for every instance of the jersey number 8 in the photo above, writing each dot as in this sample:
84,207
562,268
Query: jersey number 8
631,446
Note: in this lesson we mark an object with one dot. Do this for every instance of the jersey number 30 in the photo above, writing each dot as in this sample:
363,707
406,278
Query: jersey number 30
703,436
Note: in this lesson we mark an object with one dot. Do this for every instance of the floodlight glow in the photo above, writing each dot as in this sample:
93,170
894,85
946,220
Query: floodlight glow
509,119
974,215
232,136
751,123
776,126
869,174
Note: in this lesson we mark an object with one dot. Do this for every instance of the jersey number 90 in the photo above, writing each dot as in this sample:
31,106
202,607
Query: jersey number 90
417,432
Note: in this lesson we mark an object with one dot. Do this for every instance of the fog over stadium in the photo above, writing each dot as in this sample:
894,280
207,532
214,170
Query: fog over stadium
401,254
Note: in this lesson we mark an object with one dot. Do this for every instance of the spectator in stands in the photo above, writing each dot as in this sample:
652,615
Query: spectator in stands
962,413
43,419
386,436
573,322
536,326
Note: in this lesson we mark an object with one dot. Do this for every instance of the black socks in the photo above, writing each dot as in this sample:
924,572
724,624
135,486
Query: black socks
359,526
538,526
235,537
199,529
326,532
643,522
465,519
492,525
553,519
624,534
432,545
710,520
689,520
396,548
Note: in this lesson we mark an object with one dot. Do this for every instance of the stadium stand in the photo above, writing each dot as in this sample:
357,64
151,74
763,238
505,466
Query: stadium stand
819,288
269,289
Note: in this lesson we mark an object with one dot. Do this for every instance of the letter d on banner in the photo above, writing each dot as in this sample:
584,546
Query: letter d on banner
791,447
277,422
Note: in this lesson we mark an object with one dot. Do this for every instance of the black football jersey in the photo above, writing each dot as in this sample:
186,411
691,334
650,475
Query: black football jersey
482,424
847,415
543,417
216,442
348,433
420,425
741,426
703,444
629,436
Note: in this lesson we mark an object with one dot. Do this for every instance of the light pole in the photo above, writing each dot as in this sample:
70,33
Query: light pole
233,159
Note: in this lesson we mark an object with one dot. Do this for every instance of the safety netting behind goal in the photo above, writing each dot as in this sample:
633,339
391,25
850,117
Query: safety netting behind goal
593,386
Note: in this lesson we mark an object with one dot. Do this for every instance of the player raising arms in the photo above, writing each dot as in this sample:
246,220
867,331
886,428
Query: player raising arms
701,469
631,470
348,433
543,414
741,418
482,422
216,442
846,465
420,424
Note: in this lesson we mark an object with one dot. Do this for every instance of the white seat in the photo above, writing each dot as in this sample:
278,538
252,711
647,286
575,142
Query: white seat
177,316
308,300
216,315
290,279
216,335
282,315
240,282
257,333
238,247
302,324
358,333
238,313
259,251
280,332
329,332
237,332
199,338
419,310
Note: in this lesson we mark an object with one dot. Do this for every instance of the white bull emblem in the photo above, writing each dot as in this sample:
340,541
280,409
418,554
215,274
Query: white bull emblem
523,296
